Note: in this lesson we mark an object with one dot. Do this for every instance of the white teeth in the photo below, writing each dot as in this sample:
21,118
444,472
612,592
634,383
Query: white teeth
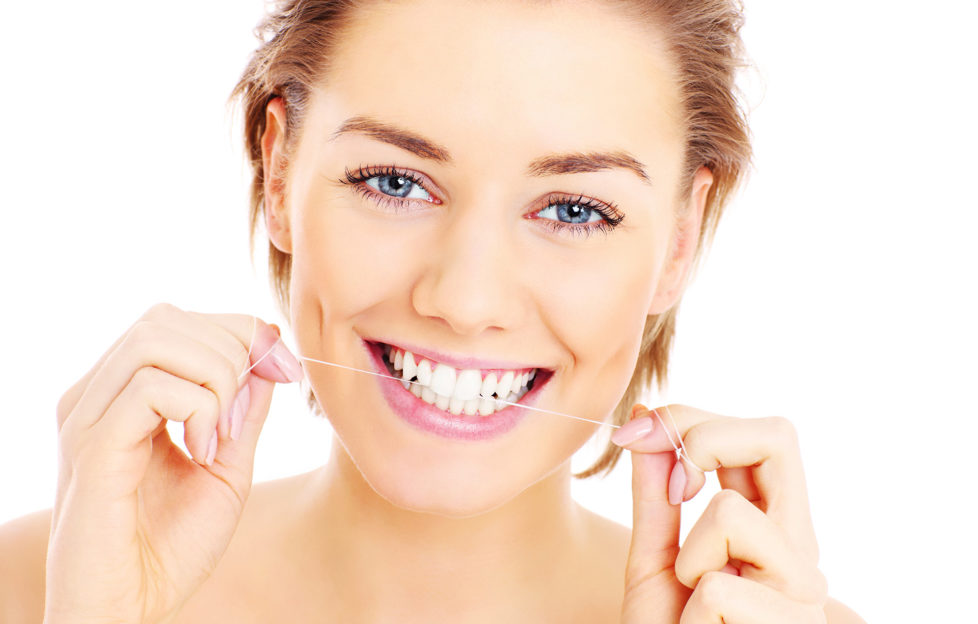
468,384
457,391
502,388
488,385
441,402
443,380
486,406
410,368
424,372
517,383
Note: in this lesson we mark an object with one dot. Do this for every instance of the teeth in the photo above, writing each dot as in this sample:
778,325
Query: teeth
468,384
502,388
486,406
518,382
410,368
488,385
424,372
457,391
443,380
441,402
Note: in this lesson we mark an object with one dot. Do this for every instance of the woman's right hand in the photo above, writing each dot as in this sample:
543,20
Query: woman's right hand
137,526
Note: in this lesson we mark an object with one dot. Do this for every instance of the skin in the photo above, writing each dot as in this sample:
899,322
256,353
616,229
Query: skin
399,524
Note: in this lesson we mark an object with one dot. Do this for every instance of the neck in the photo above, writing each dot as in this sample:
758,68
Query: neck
392,556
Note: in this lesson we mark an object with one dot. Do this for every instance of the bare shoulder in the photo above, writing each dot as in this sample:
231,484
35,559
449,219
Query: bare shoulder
838,613
23,550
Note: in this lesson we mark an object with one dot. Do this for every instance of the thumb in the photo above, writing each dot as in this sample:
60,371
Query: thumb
238,456
652,592
655,522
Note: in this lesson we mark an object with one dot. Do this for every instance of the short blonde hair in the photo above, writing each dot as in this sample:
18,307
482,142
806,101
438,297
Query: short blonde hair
702,38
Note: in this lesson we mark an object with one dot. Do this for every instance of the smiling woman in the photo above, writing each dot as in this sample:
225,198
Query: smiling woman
506,227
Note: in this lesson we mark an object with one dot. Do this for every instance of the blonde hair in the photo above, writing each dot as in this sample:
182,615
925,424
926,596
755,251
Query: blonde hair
702,38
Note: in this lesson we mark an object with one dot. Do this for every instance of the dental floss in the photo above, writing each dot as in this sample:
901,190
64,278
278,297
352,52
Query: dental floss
680,449
308,359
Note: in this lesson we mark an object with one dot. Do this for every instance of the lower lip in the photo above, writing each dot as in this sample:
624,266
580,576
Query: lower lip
427,417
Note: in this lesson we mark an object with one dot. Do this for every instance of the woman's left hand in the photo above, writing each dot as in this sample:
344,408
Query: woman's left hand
752,557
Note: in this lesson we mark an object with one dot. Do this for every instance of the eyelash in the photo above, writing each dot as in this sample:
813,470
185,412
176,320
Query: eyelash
610,214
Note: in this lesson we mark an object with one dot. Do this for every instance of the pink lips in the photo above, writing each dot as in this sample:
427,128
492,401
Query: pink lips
427,417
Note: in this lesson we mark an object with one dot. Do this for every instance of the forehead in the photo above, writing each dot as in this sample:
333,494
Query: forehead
542,76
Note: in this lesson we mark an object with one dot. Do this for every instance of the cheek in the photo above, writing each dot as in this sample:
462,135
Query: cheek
343,261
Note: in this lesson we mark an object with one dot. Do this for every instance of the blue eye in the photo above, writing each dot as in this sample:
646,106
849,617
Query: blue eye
570,213
398,186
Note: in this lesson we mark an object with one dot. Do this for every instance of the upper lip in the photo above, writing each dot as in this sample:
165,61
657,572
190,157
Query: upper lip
458,361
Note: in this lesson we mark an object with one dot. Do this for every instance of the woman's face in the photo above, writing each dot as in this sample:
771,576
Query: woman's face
490,186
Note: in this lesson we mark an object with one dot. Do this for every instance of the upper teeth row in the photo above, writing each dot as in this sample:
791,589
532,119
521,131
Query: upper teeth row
459,384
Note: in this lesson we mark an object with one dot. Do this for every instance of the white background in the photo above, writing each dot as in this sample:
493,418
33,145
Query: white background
839,293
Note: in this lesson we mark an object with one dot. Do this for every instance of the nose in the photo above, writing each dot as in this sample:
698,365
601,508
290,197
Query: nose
471,279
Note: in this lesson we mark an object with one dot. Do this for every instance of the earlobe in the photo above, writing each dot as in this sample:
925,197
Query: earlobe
685,241
274,165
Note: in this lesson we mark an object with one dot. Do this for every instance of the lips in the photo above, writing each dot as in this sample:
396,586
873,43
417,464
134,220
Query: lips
430,418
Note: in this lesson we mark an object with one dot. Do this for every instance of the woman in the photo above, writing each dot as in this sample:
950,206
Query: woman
545,258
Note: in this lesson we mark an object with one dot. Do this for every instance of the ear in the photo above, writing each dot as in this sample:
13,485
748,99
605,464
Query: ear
274,166
686,237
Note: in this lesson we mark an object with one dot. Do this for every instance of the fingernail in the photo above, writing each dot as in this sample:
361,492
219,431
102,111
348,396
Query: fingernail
241,404
286,362
729,569
677,483
632,430
211,450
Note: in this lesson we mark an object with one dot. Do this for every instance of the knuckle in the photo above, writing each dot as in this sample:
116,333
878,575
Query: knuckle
161,310
783,428
713,589
725,504
143,335
144,381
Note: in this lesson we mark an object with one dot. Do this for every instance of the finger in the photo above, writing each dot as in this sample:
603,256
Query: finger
648,432
768,448
134,417
246,332
238,455
655,523
269,355
70,398
732,528
153,345
727,599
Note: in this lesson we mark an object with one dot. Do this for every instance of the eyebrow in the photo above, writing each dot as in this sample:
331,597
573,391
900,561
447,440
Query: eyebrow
551,164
